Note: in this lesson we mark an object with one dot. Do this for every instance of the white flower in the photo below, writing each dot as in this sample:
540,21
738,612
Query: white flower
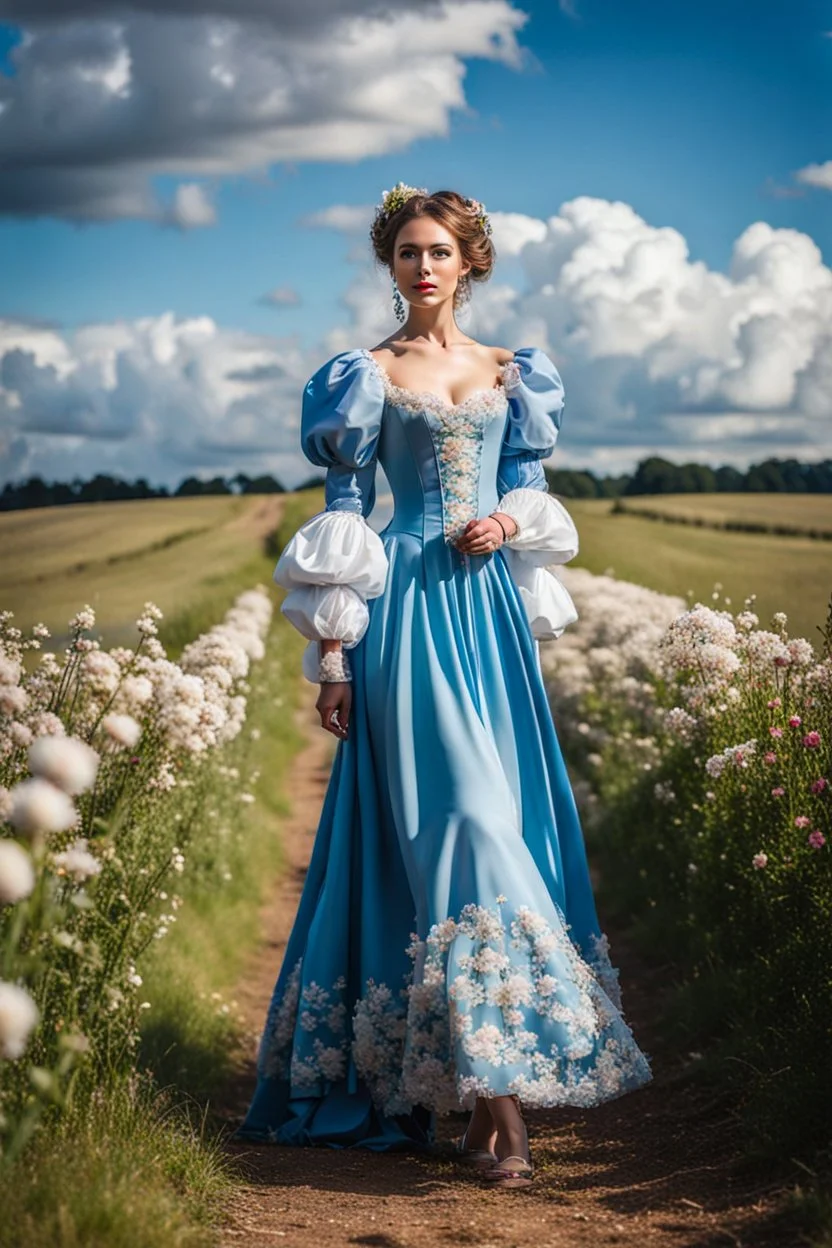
123,729
38,806
17,875
77,861
70,764
18,1015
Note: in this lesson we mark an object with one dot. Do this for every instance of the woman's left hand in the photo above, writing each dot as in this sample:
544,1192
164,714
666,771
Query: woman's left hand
482,537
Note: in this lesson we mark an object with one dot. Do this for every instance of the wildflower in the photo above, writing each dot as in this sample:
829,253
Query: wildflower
770,757
795,721
816,839
17,876
18,1015
775,732
77,861
818,786
67,762
812,740
775,702
759,861
37,806
802,821
122,729
778,792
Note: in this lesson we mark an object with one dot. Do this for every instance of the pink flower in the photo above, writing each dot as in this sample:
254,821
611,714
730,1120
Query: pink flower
778,792
774,702
759,861
770,758
817,786
812,740
776,732
816,839
795,721
802,821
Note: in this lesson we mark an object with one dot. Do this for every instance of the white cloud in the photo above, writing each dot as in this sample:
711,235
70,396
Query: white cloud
192,207
816,175
97,107
659,354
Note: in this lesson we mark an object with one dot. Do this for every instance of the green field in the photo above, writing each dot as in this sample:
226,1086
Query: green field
791,574
116,556
800,511
178,551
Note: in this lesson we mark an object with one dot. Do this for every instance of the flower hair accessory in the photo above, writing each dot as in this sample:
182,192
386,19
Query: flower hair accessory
392,201
483,219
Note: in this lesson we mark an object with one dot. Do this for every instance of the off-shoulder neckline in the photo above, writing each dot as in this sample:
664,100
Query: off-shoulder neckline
508,371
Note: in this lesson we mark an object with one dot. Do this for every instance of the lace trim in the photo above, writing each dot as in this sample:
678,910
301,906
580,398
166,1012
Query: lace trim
427,401
524,1013
457,431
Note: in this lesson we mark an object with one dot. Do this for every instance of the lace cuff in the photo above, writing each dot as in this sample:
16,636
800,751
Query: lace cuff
546,532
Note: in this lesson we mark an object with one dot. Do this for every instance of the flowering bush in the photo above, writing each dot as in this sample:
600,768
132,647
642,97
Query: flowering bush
703,744
107,764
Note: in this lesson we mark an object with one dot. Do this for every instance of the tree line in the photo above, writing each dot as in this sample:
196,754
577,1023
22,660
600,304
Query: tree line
653,475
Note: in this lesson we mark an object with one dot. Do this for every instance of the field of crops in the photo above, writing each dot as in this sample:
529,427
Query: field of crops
115,555
806,511
791,574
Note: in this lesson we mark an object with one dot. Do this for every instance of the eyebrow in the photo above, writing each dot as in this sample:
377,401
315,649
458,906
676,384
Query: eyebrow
442,244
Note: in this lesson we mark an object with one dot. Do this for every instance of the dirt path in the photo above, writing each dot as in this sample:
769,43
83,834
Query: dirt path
660,1166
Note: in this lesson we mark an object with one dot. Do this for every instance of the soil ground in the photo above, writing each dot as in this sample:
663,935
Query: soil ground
662,1166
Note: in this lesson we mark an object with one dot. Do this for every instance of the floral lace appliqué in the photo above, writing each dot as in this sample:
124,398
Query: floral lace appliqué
490,1007
457,431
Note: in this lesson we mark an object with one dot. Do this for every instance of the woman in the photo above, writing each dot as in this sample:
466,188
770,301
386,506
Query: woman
446,953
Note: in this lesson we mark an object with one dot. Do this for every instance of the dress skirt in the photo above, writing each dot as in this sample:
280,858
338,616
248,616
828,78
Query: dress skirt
446,943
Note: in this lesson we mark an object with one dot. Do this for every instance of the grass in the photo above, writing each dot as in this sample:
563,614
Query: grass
127,1169
786,573
115,556
141,1164
806,511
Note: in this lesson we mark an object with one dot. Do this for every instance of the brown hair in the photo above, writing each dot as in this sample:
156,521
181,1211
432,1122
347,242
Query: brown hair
449,209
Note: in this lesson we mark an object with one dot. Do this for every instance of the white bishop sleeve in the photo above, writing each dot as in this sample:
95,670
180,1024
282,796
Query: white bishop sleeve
335,562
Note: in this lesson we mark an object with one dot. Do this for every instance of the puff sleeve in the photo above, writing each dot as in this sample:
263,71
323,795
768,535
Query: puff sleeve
546,533
335,562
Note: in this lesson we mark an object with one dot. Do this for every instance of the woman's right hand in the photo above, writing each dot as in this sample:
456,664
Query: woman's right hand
334,705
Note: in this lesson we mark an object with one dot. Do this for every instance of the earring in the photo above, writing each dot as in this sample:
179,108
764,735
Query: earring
398,302
463,291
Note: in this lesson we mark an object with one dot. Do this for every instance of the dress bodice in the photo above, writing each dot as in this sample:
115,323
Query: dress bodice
446,463
441,458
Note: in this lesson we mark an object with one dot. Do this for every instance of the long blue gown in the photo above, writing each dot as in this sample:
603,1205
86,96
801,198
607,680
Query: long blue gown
446,943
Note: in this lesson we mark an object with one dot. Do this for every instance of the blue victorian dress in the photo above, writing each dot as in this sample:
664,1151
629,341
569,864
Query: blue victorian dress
446,943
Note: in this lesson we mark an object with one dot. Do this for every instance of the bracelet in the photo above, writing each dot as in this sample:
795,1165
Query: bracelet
506,538
334,666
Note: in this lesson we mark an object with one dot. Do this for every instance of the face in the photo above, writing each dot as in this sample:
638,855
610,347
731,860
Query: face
426,252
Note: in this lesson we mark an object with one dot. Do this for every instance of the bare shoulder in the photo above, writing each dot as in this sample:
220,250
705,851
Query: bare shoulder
502,355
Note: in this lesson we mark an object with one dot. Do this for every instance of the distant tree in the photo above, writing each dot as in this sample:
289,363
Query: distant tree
262,485
765,478
729,480
654,476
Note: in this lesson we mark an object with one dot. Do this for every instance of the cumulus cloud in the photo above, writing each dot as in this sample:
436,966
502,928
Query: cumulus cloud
99,104
156,396
816,175
659,354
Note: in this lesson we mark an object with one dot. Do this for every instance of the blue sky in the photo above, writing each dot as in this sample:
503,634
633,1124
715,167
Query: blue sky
696,116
